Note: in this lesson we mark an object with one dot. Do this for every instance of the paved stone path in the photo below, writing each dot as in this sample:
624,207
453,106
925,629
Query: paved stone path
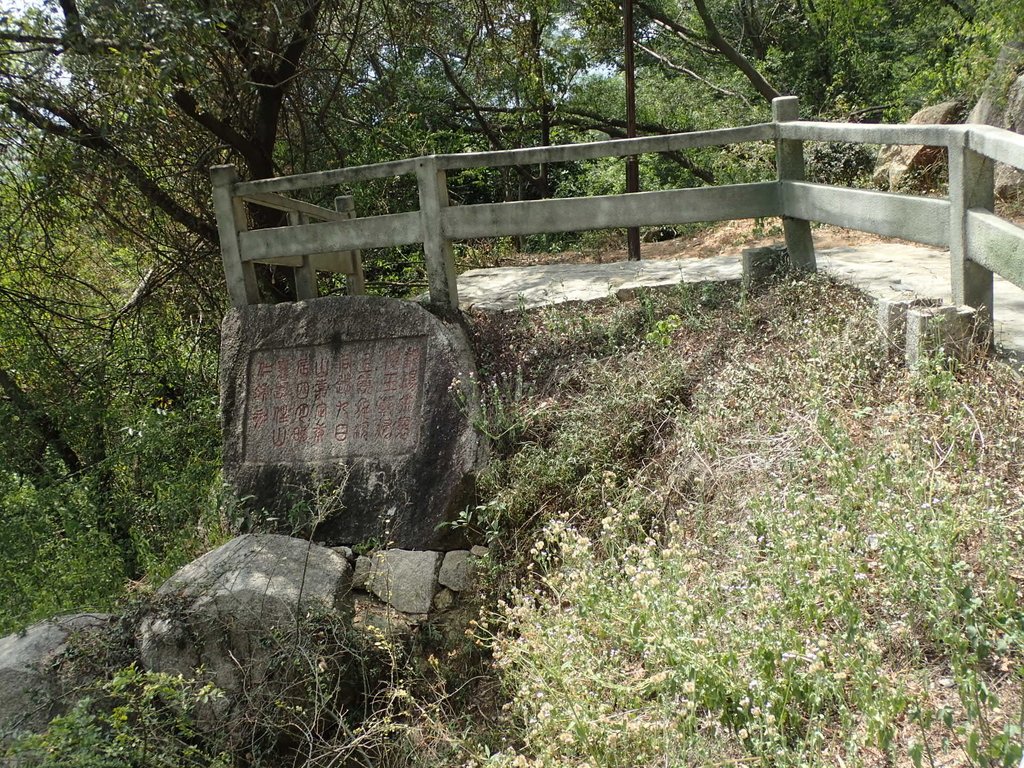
883,270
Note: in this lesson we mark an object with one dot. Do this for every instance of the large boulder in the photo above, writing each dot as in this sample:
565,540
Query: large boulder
1002,105
33,689
219,613
354,412
896,161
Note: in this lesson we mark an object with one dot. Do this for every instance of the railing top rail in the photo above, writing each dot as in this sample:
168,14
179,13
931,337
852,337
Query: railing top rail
527,156
997,143
611,148
868,133
326,178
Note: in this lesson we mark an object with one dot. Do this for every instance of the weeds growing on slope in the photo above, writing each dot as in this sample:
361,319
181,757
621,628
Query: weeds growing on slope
780,550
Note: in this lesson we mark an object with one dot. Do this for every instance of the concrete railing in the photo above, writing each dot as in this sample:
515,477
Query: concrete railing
319,238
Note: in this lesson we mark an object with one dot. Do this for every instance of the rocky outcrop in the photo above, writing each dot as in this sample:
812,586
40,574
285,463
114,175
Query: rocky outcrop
34,691
896,162
243,617
1002,105
219,612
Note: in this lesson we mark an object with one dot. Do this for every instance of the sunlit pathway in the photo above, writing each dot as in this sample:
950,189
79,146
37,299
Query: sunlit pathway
883,270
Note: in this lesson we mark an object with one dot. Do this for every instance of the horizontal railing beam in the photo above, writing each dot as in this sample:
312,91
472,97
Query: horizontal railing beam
867,133
567,153
282,203
996,244
327,178
327,237
677,206
996,143
921,219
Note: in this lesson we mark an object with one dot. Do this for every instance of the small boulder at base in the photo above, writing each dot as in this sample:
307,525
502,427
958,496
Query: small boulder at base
457,570
217,611
405,580
32,688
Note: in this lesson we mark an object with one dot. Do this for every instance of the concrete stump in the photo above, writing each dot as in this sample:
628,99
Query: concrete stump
760,265
954,330
892,320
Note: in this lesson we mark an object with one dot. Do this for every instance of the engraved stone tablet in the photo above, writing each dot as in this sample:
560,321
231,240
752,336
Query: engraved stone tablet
345,408
315,404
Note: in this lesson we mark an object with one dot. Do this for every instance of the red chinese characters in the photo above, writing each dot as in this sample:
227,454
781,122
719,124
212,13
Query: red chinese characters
323,402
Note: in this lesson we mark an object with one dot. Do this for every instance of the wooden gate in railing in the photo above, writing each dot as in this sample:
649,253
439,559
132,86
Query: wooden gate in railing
318,238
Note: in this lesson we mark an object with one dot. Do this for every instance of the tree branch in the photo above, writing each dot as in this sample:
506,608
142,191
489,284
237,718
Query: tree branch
236,141
40,422
756,79
684,33
77,130
669,64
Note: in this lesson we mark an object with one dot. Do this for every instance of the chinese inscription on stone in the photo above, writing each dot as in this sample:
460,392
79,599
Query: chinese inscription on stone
317,403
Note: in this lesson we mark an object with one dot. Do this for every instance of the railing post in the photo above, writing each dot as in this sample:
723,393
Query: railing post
437,250
305,274
789,163
971,185
355,283
231,219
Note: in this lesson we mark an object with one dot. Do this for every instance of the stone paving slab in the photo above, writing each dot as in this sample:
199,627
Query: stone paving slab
883,270
893,270
500,289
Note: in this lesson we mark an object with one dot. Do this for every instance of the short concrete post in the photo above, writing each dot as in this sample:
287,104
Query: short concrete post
760,265
355,283
231,219
789,162
954,330
892,321
971,185
437,249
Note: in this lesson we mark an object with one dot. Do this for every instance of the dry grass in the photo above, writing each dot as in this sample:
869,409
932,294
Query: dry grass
751,537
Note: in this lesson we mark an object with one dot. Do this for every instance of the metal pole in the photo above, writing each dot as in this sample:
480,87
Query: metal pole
632,167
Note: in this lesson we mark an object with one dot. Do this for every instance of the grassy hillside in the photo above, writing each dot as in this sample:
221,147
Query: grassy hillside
743,534
724,530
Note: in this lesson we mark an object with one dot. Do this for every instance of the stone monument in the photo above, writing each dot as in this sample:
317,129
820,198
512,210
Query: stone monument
352,412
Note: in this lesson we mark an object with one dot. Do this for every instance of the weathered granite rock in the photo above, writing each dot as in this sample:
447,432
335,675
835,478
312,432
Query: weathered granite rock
1002,105
361,572
444,600
346,407
346,552
379,618
32,690
217,611
404,579
457,570
896,161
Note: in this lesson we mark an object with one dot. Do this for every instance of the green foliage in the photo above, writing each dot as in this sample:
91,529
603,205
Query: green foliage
839,164
54,559
146,720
